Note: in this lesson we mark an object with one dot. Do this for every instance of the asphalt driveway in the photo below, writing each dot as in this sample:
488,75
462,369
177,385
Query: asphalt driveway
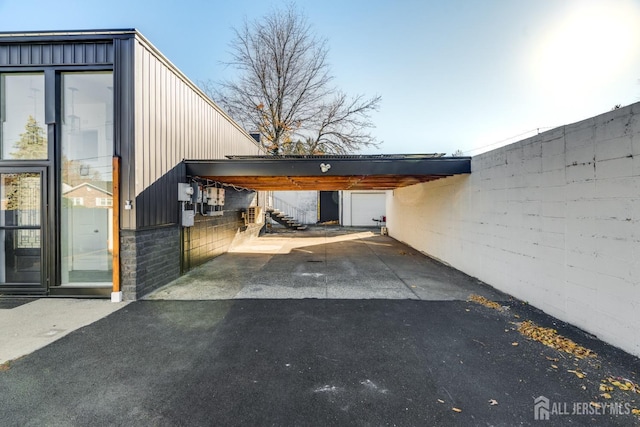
424,360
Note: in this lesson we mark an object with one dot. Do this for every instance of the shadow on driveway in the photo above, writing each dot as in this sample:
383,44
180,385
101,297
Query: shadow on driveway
340,330
307,362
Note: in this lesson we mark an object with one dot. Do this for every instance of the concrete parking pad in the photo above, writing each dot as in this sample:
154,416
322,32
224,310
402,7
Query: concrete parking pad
324,262
37,323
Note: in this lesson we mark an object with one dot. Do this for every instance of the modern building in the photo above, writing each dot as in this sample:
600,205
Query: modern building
117,173
94,128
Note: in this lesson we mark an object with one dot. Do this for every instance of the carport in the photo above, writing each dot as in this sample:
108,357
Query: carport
302,173
328,172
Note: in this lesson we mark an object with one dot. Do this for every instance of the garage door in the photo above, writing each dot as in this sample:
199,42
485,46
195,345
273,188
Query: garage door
365,207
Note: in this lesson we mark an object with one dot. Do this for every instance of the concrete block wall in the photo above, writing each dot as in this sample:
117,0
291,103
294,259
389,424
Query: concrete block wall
553,220
306,203
210,237
149,259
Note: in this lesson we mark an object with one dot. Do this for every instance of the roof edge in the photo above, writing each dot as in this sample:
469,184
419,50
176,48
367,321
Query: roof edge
67,34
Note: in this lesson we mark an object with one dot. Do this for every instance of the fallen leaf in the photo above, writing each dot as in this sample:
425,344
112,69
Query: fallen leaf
516,316
554,366
553,359
514,344
493,402
456,409
606,395
595,404
635,411
578,373
440,401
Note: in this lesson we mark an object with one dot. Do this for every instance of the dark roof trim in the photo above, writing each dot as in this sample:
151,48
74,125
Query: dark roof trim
61,36
338,156
266,166
351,172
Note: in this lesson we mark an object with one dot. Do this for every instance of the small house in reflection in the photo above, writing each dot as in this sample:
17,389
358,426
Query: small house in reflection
89,196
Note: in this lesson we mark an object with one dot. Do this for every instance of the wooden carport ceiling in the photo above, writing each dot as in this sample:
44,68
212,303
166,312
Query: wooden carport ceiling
351,172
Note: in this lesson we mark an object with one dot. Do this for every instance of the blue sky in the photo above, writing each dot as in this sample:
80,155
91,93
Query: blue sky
453,74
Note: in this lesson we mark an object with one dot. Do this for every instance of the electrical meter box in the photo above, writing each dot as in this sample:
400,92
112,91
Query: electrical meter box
215,196
185,192
197,193
188,218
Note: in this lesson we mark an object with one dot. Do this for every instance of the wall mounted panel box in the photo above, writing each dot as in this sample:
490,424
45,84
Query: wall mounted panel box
197,193
188,218
215,196
185,192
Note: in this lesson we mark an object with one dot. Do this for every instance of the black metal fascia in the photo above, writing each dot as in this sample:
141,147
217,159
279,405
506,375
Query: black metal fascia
7,37
336,167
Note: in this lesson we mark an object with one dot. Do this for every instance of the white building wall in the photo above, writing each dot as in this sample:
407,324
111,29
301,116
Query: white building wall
358,208
553,220
305,204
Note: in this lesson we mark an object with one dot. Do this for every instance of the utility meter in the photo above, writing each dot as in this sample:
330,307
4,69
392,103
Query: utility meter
215,196
185,191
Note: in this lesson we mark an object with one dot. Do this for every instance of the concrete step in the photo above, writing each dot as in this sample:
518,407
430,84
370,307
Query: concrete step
284,219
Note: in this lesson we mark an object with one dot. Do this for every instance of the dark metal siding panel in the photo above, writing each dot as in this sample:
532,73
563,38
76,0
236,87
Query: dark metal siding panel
71,53
173,121
124,82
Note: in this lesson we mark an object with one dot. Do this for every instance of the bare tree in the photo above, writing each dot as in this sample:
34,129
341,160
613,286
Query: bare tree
283,90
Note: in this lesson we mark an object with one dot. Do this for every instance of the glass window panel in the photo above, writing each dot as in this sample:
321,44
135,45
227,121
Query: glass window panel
23,131
20,199
20,257
87,152
20,206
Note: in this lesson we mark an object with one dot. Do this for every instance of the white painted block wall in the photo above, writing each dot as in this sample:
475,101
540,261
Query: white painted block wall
305,201
553,220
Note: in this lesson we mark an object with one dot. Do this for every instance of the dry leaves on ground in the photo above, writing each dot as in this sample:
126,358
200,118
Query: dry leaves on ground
484,301
551,338
621,383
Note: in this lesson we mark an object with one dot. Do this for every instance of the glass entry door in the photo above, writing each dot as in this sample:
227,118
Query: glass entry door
22,216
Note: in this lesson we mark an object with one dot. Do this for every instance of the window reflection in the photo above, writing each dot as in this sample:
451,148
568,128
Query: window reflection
22,134
87,152
20,214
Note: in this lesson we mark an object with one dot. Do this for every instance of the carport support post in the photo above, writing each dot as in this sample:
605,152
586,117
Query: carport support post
116,292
